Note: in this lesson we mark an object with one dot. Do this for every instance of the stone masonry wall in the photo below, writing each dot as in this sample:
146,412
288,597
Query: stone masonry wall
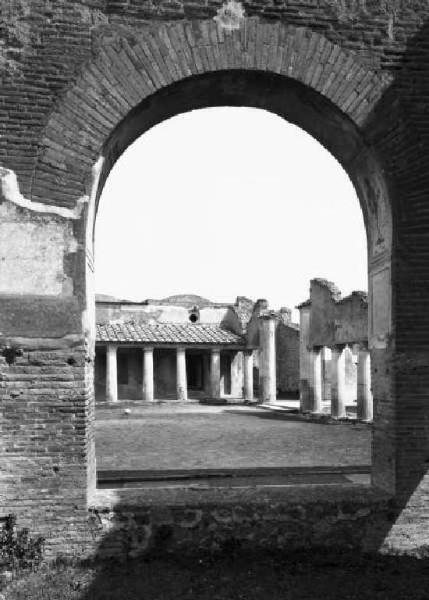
123,525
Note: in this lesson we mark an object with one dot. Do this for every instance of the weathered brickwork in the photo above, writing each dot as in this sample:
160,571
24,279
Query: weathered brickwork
82,80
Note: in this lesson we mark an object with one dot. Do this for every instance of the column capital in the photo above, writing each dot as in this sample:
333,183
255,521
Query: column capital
148,348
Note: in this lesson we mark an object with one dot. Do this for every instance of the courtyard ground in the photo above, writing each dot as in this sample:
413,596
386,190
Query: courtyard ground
174,437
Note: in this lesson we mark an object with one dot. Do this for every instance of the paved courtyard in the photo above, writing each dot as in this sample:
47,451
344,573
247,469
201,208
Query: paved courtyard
207,437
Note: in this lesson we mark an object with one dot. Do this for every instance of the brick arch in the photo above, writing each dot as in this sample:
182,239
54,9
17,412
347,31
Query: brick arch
130,67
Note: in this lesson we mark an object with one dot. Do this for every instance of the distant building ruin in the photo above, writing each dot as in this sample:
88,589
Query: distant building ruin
334,357
189,348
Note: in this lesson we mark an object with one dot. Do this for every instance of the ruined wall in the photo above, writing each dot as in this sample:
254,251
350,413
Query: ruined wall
287,357
323,297
163,313
352,319
252,332
336,320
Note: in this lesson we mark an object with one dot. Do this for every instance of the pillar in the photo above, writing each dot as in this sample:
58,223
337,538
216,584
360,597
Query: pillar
237,375
248,375
215,373
268,324
111,373
305,357
316,380
148,374
338,382
181,380
364,393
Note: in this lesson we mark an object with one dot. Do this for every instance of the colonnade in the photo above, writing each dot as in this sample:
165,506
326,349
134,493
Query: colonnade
237,384
338,381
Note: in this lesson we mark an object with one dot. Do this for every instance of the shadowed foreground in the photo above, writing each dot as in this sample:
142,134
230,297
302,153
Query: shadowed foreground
235,576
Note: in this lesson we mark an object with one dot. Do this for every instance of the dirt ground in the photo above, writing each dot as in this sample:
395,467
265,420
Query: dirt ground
198,437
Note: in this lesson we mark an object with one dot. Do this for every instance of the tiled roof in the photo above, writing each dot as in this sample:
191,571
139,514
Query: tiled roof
167,333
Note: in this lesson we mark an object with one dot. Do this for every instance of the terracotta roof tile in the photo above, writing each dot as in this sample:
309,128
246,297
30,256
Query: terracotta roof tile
166,333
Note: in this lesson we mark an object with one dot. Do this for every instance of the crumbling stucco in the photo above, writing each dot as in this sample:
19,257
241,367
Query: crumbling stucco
33,250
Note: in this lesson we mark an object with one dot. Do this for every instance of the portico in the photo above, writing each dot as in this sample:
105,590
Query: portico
202,362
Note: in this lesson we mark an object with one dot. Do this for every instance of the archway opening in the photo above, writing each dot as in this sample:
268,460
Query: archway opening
321,227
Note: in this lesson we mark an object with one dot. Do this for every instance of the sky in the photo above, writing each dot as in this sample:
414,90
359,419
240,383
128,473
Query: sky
222,202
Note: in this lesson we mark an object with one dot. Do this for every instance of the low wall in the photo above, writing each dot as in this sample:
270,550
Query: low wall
129,523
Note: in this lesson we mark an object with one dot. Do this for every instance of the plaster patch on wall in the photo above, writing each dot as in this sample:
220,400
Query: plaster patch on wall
373,193
11,193
32,253
380,326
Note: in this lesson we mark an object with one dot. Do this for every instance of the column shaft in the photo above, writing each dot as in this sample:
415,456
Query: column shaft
364,393
248,376
148,395
338,383
237,375
181,380
316,363
305,359
215,373
111,374
268,339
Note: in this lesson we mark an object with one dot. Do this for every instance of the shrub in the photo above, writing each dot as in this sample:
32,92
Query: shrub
18,550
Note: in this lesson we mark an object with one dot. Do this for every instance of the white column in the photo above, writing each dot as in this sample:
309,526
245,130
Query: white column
248,375
111,374
268,341
215,373
338,382
305,357
181,380
148,374
237,375
364,393
316,380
